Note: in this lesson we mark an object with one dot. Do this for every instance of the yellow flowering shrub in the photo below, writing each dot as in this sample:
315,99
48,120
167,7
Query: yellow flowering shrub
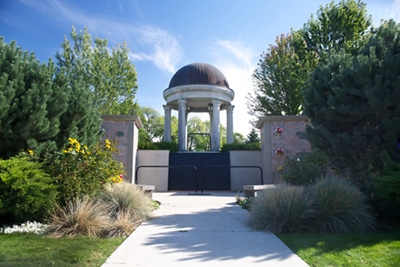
84,171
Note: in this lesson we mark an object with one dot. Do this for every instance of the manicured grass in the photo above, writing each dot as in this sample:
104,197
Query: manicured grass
373,249
36,250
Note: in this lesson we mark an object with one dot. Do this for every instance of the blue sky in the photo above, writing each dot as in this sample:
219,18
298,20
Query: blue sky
163,36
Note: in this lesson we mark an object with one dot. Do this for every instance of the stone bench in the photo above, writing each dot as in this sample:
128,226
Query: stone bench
147,189
251,190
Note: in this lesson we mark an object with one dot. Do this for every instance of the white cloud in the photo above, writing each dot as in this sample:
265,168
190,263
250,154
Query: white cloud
395,10
238,50
166,50
160,47
236,61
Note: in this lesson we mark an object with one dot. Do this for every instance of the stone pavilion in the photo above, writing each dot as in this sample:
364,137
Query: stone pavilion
199,87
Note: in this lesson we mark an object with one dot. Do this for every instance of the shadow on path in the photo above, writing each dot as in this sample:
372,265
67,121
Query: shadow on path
214,234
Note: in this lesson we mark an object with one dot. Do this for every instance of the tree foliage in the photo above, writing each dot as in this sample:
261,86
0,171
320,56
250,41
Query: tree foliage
354,102
238,138
278,81
153,125
109,72
253,137
41,106
283,70
196,141
26,191
336,27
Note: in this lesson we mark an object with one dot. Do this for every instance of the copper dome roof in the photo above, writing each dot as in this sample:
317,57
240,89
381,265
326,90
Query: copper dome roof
198,73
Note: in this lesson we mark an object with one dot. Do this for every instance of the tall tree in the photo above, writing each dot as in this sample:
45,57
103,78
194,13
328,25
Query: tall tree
238,138
40,106
153,125
354,102
198,142
109,72
283,70
337,26
278,81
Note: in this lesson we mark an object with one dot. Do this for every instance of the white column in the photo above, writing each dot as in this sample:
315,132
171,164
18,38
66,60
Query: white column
229,124
215,135
211,132
182,124
186,123
167,123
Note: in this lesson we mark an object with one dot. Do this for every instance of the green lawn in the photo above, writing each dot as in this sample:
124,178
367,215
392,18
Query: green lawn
36,250
374,249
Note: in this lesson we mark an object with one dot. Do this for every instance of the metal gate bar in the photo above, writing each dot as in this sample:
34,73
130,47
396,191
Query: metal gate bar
169,167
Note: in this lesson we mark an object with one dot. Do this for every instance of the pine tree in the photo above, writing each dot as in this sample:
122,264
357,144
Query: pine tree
354,102
253,137
39,108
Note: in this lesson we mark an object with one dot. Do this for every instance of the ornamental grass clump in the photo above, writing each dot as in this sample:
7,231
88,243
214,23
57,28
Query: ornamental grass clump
126,198
127,206
81,216
340,207
121,226
283,209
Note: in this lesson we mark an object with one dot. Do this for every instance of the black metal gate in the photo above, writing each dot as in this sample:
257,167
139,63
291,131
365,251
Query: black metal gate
214,179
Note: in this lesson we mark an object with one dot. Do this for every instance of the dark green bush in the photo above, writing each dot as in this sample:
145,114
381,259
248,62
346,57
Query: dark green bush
171,146
386,188
285,209
306,169
26,191
341,207
241,146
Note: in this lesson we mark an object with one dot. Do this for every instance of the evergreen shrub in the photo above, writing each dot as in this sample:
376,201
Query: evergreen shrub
307,168
171,146
386,191
353,103
26,191
241,146
41,105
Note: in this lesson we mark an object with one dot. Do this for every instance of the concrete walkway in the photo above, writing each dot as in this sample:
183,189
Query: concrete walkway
193,230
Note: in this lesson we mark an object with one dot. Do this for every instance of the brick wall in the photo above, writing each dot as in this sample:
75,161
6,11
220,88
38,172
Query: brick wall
291,140
124,130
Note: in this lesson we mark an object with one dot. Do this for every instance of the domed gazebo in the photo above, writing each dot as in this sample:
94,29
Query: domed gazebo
199,87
